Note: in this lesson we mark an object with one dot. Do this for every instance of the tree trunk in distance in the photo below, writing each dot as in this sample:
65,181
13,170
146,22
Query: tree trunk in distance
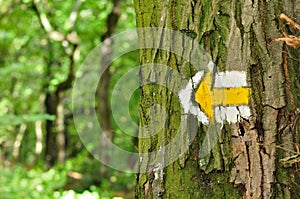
18,142
50,145
55,132
251,158
103,103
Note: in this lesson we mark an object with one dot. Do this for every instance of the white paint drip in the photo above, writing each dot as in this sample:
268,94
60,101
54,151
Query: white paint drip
195,110
231,114
185,95
158,171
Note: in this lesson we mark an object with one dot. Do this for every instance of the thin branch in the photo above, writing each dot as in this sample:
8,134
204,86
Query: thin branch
290,57
66,40
46,25
18,141
57,35
70,24
67,84
112,20
290,40
289,21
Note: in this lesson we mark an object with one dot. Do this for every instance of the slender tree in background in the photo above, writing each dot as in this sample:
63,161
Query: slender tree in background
255,157
103,106
55,149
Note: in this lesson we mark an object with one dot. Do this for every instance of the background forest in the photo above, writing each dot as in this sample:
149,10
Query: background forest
42,44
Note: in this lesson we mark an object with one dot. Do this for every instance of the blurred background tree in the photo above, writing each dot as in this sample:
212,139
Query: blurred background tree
42,44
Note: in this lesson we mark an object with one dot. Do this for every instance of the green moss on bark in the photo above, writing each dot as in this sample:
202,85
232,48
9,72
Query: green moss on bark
238,36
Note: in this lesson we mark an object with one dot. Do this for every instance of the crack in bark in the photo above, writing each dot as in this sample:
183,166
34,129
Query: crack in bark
174,23
262,178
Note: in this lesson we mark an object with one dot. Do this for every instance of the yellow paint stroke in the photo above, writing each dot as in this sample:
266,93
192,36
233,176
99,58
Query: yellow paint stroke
230,96
203,95
208,97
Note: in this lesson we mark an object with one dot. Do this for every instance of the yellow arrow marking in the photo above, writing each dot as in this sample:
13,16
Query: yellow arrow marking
208,97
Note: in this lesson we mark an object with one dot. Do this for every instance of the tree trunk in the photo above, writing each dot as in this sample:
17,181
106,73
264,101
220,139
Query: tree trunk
251,157
103,102
18,142
39,131
39,141
61,135
50,141
55,131
103,107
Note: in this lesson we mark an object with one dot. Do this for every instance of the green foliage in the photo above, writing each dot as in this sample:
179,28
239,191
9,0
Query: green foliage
14,120
20,182
93,177
17,182
32,65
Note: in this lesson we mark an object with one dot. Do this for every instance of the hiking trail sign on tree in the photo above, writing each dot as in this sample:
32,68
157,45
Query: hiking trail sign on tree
217,96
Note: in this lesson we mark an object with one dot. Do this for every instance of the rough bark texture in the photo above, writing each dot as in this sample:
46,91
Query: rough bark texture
245,163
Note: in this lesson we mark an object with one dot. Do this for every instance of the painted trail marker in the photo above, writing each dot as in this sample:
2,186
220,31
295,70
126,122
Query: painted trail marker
208,97
217,97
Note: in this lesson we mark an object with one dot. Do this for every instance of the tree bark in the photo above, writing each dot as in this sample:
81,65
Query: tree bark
248,160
